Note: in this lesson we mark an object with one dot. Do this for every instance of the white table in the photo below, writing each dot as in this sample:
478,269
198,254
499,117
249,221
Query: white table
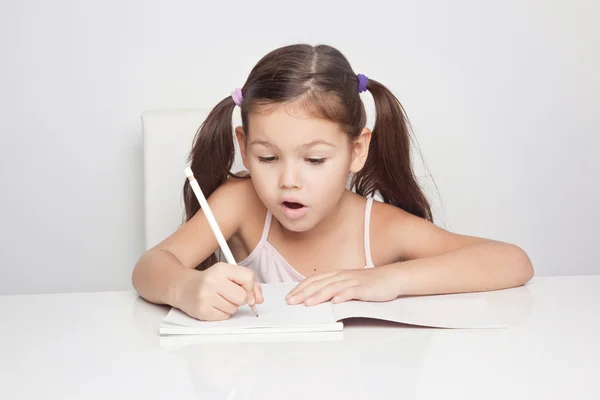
106,346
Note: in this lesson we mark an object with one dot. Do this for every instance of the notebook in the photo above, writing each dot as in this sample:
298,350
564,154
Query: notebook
465,310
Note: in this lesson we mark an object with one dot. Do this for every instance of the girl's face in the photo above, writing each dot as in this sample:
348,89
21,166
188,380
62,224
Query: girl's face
299,164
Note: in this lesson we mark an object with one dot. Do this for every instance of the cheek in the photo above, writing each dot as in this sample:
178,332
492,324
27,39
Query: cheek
262,179
328,178
259,176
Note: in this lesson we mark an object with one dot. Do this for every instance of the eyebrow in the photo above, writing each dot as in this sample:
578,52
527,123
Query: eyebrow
306,146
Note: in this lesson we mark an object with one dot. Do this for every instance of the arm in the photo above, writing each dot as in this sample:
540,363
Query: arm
162,270
158,274
474,268
435,261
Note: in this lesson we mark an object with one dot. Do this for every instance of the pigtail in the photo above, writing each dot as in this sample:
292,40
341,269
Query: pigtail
388,169
211,159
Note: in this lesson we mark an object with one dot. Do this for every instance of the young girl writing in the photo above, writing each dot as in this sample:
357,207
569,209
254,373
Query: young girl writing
305,212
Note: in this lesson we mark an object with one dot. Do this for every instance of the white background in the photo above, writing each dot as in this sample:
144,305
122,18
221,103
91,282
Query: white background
502,96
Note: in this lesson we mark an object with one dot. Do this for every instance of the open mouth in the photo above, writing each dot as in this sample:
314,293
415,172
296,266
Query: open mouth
292,210
292,205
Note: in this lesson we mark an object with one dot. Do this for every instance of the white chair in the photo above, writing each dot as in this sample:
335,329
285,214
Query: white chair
167,140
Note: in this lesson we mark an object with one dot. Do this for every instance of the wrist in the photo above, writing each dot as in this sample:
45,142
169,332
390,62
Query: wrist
178,284
398,274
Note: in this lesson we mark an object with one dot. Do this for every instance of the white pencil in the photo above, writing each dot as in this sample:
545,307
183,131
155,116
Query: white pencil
213,222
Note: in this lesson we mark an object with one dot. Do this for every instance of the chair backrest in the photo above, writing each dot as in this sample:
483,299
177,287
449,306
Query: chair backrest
167,141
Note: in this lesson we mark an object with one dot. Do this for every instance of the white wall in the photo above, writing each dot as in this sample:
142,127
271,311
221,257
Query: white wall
503,98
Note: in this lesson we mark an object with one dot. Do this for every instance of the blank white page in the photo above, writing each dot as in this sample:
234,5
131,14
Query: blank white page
274,314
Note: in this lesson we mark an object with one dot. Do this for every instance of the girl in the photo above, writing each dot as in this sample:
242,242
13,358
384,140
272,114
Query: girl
305,212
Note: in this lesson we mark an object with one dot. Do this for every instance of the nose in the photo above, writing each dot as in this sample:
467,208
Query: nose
289,178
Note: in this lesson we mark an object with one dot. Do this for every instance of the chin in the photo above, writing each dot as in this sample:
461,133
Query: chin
298,226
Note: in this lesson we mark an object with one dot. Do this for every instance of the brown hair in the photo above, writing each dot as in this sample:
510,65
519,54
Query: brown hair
321,81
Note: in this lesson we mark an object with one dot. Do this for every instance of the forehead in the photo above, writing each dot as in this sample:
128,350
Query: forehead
285,127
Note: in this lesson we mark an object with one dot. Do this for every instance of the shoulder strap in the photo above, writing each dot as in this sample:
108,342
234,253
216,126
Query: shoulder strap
366,234
266,228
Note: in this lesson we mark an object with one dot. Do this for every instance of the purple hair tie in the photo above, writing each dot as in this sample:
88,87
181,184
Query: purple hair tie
362,83
237,96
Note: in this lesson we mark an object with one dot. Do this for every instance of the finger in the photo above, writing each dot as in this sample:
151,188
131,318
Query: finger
217,315
244,277
225,305
327,292
258,294
312,288
233,293
309,281
349,293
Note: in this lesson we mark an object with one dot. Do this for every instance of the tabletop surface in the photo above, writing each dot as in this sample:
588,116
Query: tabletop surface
105,345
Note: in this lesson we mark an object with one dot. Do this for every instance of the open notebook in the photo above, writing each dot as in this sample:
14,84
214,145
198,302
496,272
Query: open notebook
466,310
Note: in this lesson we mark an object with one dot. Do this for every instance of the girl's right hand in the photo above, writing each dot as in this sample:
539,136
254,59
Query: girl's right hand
216,293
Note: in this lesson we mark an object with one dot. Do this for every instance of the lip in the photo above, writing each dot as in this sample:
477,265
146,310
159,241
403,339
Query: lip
291,213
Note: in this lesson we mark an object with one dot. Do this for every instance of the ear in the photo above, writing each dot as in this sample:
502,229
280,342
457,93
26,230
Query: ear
360,150
241,138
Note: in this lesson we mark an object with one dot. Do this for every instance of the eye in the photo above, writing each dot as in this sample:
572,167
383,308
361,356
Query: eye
316,161
266,159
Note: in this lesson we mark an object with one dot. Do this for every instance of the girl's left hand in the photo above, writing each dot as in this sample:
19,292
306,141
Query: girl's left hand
369,284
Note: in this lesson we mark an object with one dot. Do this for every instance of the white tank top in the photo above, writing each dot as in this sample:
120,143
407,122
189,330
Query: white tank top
269,266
